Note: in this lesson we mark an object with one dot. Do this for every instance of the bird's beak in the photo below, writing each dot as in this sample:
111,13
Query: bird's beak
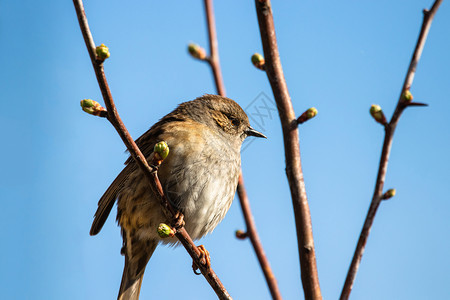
252,132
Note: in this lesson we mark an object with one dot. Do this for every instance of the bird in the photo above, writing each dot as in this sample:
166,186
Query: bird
199,178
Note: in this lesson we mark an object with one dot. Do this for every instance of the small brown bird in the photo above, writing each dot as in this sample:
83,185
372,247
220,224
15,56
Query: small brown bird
199,178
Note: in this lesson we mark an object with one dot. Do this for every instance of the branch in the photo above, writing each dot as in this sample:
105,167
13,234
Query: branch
403,102
137,155
251,232
274,71
213,58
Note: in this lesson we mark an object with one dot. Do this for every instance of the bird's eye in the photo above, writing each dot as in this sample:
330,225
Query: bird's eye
235,122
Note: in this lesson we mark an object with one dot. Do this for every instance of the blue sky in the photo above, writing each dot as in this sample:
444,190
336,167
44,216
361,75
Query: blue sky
339,56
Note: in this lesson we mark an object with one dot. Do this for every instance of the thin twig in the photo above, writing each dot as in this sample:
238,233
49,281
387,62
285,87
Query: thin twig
213,58
251,232
274,71
389,134
137,155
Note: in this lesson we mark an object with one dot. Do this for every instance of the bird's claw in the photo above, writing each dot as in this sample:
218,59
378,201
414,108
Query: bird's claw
205,259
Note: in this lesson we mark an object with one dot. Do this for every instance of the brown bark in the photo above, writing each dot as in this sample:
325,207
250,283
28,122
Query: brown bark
252,233
274,71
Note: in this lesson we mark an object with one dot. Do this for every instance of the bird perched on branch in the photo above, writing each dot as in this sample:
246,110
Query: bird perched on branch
199,178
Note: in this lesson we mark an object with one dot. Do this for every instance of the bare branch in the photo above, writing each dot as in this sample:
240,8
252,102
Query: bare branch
389,134
137,155
213,59
252,233
310,278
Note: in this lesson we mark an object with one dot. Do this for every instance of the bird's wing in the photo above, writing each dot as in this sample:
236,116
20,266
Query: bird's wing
106,202
145,142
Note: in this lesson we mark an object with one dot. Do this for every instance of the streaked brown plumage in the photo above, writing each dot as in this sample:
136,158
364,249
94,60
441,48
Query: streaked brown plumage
199,178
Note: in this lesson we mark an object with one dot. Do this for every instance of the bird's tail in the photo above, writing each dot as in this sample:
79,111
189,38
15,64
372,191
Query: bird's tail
137,253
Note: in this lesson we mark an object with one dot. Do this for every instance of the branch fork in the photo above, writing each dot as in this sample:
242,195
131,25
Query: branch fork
403,102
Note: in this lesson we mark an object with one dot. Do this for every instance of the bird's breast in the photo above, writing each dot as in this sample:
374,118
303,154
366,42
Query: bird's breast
200,179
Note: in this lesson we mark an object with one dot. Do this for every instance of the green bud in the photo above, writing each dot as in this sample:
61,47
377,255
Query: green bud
162,150
102,52
258,61
87,103
407,97
92,107
165,231
311,113
377,114
389,194
196,51
375,109
307,115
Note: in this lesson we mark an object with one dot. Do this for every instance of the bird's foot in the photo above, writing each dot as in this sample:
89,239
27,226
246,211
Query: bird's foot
205,259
